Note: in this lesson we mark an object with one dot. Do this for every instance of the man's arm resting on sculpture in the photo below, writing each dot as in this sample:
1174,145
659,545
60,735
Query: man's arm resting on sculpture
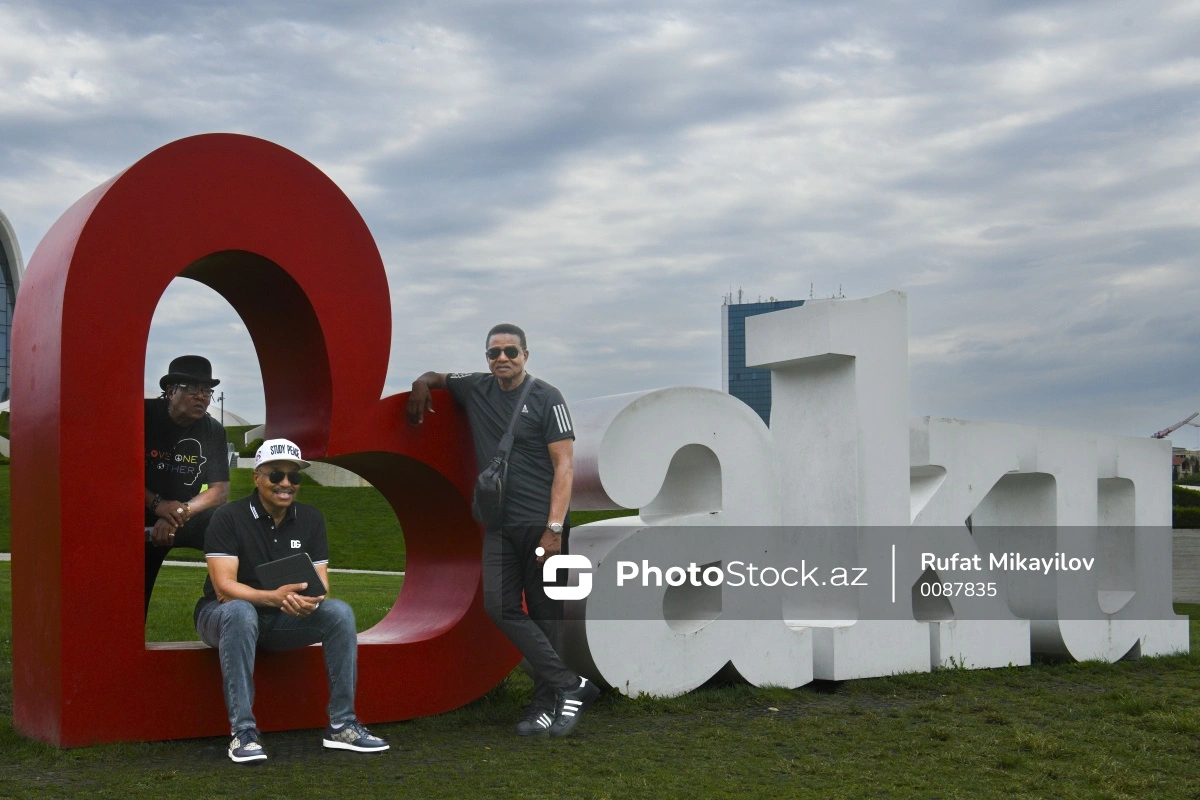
223,571
174,514
420,400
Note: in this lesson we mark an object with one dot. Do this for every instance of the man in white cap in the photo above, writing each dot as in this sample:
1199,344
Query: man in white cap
237,614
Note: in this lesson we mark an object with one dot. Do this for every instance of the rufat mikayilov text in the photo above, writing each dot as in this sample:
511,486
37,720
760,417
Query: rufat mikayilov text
739,573
1007,562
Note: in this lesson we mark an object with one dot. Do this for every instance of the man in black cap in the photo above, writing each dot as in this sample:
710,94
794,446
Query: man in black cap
187,463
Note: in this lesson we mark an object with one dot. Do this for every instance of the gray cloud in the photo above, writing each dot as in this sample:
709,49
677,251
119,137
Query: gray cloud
603,173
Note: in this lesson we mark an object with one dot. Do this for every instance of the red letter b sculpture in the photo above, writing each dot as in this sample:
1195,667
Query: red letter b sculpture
284,246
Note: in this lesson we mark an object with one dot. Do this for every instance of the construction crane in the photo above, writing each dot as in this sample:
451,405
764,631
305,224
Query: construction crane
1165,432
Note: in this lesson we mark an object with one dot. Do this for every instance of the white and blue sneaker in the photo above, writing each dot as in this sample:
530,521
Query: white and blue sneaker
353,736
571,705
245,747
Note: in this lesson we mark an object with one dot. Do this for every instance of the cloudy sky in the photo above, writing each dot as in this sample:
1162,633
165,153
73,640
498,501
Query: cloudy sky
604,172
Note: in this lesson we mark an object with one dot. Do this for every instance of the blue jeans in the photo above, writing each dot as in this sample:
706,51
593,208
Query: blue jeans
237,628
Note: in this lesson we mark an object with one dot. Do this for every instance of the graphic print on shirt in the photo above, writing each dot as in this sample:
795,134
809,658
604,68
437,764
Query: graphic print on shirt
187,460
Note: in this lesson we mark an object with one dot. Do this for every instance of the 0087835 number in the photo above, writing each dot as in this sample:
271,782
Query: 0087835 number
930,589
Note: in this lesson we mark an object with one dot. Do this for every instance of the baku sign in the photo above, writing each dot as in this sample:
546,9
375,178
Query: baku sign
845,540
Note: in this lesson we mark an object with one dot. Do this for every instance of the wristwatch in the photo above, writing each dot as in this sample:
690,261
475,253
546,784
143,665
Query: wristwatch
555,527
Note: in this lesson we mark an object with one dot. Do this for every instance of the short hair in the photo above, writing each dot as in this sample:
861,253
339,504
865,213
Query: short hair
505,327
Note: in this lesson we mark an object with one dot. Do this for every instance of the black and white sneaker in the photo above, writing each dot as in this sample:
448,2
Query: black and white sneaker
353,736
245,747
571,705
537,722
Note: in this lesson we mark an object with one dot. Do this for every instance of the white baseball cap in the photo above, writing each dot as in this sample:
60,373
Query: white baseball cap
279,450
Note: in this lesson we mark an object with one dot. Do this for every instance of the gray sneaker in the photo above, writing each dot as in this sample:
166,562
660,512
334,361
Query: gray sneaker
353,736
245,747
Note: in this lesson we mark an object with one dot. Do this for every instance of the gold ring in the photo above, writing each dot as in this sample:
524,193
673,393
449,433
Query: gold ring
179,511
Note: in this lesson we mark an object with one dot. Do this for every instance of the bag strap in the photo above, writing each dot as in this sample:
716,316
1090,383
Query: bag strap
506,441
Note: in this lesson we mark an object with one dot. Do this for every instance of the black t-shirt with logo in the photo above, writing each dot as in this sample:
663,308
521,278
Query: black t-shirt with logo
244,530
181,461
544,419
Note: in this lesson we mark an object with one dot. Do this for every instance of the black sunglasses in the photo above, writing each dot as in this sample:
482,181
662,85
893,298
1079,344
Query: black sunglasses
195,390
277,476
511,351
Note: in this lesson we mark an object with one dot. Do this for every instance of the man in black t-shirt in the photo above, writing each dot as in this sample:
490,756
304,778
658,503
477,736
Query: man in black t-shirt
534,523
237,615
187,463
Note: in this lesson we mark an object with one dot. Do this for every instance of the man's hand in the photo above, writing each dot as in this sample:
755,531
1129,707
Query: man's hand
419,401
163,533
171,511
287,598
551,544
299,605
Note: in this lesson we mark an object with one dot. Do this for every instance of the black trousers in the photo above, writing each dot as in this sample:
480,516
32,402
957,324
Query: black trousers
510,571
190,535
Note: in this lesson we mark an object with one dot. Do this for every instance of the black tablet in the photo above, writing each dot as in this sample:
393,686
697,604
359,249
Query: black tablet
297,568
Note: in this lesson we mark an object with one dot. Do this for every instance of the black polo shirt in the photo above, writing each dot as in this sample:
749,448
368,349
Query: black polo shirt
244,530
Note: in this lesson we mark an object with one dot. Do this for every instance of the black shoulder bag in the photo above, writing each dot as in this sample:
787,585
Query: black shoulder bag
487,502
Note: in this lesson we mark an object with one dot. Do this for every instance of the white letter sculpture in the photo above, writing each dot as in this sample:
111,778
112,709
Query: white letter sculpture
848,540
701,467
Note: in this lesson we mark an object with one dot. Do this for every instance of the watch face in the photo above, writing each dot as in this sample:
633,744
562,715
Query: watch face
555,527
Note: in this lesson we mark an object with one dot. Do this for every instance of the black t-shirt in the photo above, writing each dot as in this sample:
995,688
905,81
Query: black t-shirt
244,530
182,461
544,419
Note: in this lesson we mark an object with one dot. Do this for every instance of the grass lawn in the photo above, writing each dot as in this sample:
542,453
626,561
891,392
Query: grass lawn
1126,730
363,531
178,588
5,510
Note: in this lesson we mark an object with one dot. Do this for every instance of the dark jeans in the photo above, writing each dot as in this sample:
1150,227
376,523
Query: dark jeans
510,569
190,535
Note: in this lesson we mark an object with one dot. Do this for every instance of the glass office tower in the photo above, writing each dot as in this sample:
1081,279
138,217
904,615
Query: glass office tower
10,278
751,386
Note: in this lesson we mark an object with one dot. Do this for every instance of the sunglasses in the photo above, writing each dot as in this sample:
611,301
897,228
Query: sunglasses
195,391
511,352
277,476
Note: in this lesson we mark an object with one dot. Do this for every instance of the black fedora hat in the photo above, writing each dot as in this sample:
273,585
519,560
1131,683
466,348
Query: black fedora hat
188,369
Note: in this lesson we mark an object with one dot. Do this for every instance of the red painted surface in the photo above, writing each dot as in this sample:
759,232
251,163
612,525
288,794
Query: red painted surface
286,248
